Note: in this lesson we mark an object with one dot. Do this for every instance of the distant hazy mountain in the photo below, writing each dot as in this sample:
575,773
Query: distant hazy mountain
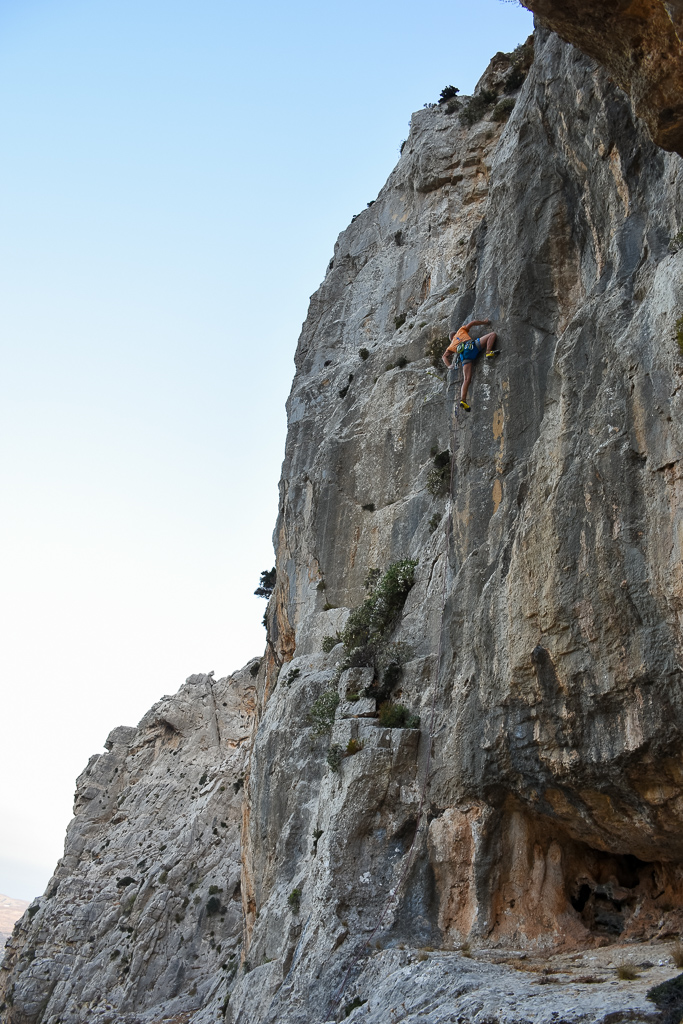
10,912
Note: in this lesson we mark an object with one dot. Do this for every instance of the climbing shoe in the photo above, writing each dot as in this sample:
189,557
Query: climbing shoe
491,355
464,405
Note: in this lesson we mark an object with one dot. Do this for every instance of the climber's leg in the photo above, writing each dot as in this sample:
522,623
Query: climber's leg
487,341
466,378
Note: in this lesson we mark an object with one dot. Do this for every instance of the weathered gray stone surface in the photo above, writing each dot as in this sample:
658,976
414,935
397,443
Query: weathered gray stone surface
555,592
536,813
125,923
640,42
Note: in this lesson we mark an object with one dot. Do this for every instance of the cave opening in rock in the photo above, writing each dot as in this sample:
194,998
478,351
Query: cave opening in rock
609,890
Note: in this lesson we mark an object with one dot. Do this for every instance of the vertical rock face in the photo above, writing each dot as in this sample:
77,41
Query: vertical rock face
544,623
640,42
531,802
144,911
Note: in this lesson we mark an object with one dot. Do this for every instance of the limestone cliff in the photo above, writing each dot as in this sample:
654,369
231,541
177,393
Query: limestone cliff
144,911
640,42
524,829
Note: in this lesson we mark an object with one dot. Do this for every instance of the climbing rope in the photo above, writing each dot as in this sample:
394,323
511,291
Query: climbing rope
394,895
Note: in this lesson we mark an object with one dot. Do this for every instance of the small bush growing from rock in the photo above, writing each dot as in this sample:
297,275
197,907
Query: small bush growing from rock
379,611
668,997
477,107
676,243
515,79
434,351
438,478
523,55
502,110
321,714
294,674
400,320
677,953
627,972
452,107
398,365
267,584
397,716
353,1005
363,353
353,747
449,93
294,900
365,636
213,906
372,577
213,889
335,756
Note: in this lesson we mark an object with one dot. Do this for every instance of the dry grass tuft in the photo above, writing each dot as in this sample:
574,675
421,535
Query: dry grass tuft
627,972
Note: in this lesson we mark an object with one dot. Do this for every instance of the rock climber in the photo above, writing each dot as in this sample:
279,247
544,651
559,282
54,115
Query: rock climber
467,350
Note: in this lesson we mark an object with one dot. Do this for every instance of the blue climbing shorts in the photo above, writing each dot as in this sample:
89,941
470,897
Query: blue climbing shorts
471,351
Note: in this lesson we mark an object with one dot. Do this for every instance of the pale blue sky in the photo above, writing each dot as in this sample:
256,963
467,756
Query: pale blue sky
173,178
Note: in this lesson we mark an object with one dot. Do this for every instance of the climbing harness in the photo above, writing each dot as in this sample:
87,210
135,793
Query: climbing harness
465,351
394,896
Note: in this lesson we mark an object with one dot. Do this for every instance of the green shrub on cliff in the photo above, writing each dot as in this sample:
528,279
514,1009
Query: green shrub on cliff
438,478
397,716
366,634
502,110
321,714
335,756
294,900
380,610
449,93
267,583
478,105
434,351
